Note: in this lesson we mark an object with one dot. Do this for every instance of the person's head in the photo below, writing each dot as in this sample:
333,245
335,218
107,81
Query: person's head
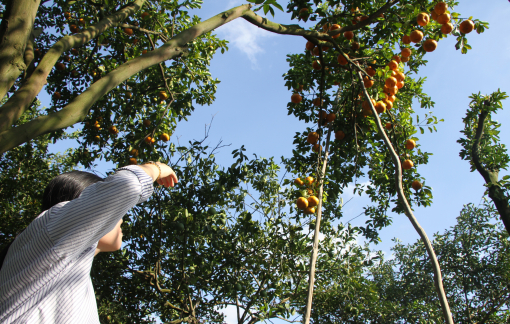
70,185
67,186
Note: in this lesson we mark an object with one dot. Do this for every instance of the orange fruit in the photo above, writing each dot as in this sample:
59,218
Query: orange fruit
67,14
416,185
342,60
144,52
330,117
400,84
440,8
316,65
146,123
164,137
135,41
400,76
302,203
388,103
447,28
355,46
391,82
443,18
334,27
313,201
423,19
388,126
81,21
303,13
296,98
317,148
74,29
148,140
312,138
407,164
406,39
366,105
433,15
466,26
370,71
396,58
128,31
298,182
309,181
163,95
410,144
390,97
368,82
429,45
133,161
349,35
113,130
406,52
393,65
391,90
60,66
315,51
309,46
133,152
56,95
380,107
416,36
339,135
405,59
310,210
317,102
145,15
299,88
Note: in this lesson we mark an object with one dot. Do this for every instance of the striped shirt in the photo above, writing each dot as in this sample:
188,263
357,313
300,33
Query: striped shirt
45,277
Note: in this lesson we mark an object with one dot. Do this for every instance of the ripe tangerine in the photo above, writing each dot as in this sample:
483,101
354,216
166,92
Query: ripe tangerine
410,144
302,203
296,98
313,201
312,138
416,36
407,164
416,185
423,19
342,60
466,26
429,45
339,135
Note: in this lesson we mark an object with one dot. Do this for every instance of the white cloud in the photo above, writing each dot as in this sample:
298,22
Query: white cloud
245,37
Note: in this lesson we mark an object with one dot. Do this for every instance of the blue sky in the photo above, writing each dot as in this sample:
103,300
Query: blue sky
251,108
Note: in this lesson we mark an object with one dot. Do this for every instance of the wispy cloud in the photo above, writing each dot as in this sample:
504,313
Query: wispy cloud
244,36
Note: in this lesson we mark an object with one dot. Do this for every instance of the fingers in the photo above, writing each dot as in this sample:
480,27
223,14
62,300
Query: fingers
168,181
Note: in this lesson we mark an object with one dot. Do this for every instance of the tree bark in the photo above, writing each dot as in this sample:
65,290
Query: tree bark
16,106
78,108
496,193
15,29
438,280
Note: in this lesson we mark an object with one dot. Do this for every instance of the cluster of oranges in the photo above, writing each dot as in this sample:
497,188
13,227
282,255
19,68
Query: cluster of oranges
307,204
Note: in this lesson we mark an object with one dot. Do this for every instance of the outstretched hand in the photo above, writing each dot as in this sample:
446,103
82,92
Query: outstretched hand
168,177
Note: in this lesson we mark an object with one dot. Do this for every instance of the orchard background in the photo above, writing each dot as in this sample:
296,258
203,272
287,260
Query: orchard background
251,100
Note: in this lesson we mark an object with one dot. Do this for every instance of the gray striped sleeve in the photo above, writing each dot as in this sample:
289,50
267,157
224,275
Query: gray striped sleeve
80,223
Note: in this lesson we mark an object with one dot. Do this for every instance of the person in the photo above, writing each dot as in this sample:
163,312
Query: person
45,276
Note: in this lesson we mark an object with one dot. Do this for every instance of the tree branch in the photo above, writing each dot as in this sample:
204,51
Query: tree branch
16,106
409,212
78,108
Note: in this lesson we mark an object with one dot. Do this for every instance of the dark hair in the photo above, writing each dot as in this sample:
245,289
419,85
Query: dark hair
64,187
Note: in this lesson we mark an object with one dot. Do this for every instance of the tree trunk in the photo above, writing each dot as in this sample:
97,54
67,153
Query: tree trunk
15,29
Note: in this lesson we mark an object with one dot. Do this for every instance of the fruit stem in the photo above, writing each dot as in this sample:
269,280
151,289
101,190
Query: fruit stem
408,211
